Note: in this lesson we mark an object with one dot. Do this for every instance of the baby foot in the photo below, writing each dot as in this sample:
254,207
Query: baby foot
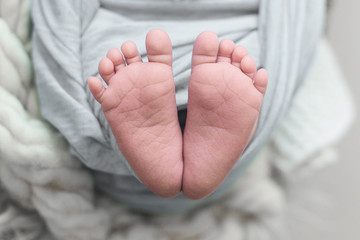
139,104
225,96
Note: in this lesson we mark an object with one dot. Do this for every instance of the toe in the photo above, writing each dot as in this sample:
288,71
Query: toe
237,56
116,57
205,48
248,66
260,80
130,52
106,69
158,47
96,88
226,49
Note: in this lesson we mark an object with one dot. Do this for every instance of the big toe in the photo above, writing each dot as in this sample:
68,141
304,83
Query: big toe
205,48
158,47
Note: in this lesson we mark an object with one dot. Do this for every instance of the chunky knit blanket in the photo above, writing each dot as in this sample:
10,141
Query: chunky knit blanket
48,194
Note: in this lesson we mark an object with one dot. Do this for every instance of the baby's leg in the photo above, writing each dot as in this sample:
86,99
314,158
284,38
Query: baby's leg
139,104
225,96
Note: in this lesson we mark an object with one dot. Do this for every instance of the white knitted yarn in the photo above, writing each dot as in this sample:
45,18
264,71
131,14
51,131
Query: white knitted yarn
52,194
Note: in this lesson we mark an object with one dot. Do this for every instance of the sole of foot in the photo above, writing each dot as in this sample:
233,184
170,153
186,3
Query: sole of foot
225,97
139,105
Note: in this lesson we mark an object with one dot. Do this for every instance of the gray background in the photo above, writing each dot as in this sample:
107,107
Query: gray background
340,220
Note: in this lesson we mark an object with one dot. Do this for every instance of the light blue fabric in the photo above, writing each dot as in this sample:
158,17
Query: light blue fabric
70,37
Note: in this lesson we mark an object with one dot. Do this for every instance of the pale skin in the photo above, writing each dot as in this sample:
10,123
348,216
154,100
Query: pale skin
225,97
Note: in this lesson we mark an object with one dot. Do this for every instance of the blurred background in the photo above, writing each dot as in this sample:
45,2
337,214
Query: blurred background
340,181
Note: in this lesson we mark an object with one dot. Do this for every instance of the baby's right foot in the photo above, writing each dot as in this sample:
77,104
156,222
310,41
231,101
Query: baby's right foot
139,104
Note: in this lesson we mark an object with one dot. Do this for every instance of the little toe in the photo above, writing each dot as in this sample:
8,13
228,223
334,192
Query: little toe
205,48
261,80
158,47
226,49
237,56
130,52
248,66
116,57
96,88
106,69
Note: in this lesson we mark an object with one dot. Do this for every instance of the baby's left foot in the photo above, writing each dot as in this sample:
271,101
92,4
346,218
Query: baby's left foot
225,97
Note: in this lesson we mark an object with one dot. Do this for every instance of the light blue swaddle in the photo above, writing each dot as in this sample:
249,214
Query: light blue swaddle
70,38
